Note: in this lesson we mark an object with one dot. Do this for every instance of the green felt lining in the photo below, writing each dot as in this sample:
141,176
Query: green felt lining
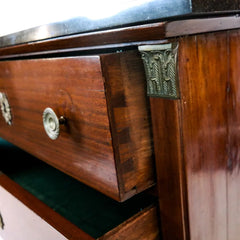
90,210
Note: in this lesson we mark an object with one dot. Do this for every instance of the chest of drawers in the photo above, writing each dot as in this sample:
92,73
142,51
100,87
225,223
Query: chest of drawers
116,139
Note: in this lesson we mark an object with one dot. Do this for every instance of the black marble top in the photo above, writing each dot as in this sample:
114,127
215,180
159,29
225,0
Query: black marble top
121,13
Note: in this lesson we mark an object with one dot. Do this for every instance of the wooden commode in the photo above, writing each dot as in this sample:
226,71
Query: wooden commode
124,127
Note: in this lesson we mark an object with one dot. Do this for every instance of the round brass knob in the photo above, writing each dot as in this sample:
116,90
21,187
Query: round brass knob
52,123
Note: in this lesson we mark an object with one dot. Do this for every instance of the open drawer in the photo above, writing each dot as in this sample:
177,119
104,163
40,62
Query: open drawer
104,140
36,201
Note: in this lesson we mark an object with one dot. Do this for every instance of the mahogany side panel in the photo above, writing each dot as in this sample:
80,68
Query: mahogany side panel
203,72
130,121
166,121
143,225
73,88
234,137
69,230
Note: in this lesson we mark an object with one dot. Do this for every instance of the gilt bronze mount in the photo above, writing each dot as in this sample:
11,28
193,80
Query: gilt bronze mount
160,63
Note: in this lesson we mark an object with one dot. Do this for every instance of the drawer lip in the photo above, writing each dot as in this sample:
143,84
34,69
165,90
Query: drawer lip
71,231
135,227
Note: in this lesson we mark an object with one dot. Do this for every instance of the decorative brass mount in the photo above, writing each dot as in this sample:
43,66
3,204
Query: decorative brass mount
160,63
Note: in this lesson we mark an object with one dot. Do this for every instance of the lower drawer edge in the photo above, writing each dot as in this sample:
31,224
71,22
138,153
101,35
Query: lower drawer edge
39,221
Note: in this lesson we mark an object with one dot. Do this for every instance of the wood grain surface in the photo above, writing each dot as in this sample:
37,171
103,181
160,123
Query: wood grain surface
233,163
73,88
142,226
128,108
203,72
201,25
166,121
196,141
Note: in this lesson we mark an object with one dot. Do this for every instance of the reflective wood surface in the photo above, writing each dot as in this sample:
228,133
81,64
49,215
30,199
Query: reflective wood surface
233,163
203,71
197,161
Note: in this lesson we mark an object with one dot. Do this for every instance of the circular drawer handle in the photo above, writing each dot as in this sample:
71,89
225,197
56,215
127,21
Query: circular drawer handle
52,123
5,108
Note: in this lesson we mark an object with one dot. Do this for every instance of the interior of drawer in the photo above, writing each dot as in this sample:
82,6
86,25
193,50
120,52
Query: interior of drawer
85,207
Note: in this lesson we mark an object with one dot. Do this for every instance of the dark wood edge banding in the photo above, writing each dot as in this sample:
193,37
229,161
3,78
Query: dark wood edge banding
123,37
88,40
143,225
196,26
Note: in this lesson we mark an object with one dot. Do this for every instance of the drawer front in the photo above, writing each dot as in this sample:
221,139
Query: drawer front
73,88
102,142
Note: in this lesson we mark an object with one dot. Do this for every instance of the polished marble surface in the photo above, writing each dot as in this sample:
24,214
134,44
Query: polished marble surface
31,21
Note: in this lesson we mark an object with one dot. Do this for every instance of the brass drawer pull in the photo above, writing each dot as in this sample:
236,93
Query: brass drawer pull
5,108
52,123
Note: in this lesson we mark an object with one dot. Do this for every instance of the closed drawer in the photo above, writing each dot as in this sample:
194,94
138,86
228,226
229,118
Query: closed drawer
105,141
30,190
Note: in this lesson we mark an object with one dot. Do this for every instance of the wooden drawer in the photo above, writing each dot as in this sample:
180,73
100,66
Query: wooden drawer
106,141
31,189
